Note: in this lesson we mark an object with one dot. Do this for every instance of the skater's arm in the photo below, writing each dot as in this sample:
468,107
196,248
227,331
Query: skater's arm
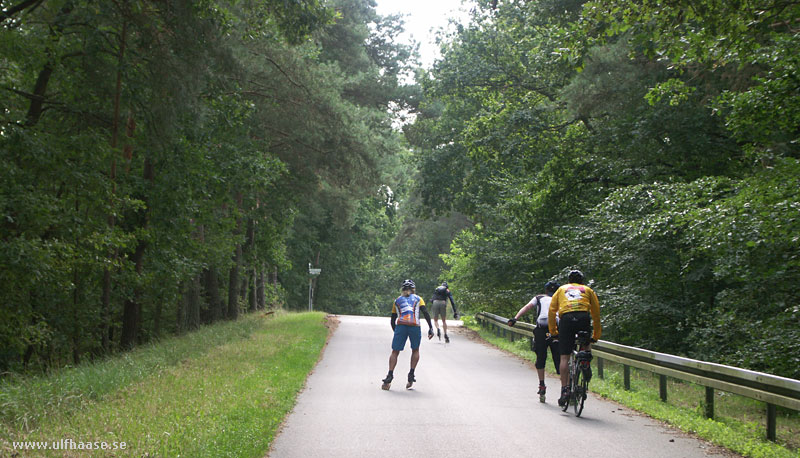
394,320
525,309
453,303
424,311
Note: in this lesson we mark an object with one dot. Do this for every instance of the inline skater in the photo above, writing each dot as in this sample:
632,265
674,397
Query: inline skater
406,326
540,305
439,308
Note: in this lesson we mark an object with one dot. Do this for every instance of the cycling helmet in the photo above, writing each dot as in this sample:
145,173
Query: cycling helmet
444,283
551,286
408,284
576,276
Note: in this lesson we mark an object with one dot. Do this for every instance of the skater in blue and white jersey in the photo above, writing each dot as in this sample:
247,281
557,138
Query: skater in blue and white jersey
406,325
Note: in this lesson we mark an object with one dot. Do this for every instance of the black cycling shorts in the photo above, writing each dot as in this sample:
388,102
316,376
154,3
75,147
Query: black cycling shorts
540,345
569,325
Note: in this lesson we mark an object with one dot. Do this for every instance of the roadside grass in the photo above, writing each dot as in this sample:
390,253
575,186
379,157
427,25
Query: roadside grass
220,391
739,424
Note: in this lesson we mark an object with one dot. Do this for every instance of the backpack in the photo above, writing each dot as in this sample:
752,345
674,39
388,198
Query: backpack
539,309
440,293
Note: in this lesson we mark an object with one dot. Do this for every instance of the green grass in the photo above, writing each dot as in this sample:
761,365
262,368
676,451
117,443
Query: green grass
221,391
740,423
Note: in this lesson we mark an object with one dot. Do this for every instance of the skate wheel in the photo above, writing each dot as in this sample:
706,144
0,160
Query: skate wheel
385,386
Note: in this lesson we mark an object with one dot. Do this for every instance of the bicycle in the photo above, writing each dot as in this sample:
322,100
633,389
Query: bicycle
580,372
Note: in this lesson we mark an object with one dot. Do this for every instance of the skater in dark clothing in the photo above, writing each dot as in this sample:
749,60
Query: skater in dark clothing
439,300
540,305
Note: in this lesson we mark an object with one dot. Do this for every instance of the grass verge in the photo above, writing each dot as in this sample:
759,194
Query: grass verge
739,425
220,391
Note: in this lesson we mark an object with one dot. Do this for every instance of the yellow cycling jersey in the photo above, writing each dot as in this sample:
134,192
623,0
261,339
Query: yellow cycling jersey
574,297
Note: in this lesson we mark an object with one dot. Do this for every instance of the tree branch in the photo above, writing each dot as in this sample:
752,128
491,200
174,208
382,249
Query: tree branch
10,12
288,78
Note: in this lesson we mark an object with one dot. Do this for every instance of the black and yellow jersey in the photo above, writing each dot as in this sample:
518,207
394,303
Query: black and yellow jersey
574,297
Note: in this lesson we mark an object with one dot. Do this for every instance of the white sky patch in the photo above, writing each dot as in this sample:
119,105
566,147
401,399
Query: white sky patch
423,18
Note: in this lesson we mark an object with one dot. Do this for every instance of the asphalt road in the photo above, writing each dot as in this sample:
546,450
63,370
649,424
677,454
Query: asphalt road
470,400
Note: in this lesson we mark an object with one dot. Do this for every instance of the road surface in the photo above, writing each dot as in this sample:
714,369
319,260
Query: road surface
470,400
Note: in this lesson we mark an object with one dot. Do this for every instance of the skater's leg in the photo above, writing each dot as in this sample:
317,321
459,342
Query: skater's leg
414,358
393,359
540,345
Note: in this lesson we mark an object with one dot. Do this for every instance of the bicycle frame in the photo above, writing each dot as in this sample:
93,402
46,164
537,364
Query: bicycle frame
579,373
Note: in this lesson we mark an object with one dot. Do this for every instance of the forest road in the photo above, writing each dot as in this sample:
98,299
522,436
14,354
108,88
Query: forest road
470,400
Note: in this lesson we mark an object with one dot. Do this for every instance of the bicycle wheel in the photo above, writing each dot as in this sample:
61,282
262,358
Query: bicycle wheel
581,387
569,383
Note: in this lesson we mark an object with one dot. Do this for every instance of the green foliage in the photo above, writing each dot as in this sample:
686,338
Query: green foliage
750,44
651,145
157,162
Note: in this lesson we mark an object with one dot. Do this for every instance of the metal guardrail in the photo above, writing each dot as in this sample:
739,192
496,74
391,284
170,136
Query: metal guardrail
771,389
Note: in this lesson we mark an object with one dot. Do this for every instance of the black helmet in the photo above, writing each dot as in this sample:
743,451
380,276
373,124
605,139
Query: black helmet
444,283
576,276
408,284
551,286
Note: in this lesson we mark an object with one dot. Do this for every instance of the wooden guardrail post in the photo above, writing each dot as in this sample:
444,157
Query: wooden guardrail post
709,402
600,367
662,387
626,375
772,416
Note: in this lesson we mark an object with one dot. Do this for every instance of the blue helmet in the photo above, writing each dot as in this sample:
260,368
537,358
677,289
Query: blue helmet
551,286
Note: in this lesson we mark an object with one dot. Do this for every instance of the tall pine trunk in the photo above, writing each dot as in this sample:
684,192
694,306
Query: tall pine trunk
193,303
260,289
233,284
233,276
211,291
180,313
132,311
106,295
252,298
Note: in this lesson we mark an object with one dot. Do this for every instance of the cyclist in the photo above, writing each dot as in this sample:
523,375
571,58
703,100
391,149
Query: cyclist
579,310
406,326
541,336
439,300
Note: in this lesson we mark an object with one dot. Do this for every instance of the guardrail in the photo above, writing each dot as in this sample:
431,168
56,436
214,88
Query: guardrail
771,389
